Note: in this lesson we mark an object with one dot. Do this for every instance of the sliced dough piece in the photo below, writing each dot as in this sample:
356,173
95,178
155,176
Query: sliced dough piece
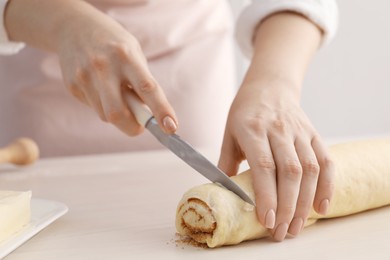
213,215
15,212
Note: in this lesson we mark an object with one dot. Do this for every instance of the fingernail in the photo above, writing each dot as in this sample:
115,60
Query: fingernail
169,124
324,205
295,226
281,232
270,219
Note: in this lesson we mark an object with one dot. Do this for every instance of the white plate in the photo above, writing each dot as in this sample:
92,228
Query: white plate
43,213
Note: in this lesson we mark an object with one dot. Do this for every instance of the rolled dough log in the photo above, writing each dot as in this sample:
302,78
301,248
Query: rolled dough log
213,215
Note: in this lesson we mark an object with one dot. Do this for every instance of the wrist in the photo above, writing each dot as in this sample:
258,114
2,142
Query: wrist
276,92
272,83
283,46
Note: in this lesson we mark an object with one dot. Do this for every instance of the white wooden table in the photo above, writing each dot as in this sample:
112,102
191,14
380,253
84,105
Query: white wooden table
123,207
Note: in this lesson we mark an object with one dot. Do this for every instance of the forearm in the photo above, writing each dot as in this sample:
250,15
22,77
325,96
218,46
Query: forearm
284,44
42,23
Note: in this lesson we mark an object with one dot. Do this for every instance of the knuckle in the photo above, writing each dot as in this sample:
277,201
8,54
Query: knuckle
265,162
122,49
99,63
316,137
81,76
76,92
115,115
327,163
127,50
279,125
147,86
254,123
292,169
310,167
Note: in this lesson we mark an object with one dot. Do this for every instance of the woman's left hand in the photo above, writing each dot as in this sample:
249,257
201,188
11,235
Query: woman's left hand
290,165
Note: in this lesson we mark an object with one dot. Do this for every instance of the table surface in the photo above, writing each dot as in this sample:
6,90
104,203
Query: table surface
122,206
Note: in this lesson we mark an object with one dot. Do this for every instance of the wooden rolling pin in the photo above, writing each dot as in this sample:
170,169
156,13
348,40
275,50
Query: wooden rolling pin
22,151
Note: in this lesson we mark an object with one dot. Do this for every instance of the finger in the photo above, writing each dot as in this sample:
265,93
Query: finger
82,77
75,87
115,109
78,93
261,162
230,158
289,173
92,98
92,80
310,172
326,179
152,94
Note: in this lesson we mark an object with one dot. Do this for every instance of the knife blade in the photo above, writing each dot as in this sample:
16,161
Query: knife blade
183,149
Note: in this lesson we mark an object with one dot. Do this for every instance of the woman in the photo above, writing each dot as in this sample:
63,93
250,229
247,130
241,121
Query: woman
177,57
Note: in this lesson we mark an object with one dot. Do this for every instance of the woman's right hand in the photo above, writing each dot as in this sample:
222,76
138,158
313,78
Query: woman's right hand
99,58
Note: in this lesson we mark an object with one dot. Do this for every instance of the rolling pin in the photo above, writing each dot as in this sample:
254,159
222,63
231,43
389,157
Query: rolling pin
22,151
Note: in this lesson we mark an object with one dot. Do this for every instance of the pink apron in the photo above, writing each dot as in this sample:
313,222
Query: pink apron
188,44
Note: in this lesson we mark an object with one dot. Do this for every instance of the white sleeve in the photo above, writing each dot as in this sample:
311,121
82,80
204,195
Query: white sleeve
324,13
7,47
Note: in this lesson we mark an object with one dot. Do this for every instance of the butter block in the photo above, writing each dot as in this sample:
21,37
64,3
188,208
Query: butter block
15,212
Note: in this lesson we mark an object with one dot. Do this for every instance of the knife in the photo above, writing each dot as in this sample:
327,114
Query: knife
181,148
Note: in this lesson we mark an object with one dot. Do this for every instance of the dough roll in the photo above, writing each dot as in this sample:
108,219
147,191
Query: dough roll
213,215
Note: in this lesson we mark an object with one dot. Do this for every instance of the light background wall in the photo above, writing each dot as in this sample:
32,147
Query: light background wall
347,89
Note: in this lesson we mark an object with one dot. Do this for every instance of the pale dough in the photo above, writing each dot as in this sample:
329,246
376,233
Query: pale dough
213,215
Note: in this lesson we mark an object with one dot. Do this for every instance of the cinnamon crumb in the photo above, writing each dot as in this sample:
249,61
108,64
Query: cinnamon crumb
186,240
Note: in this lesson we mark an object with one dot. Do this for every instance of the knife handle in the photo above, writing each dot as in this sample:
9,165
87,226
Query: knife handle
141,111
